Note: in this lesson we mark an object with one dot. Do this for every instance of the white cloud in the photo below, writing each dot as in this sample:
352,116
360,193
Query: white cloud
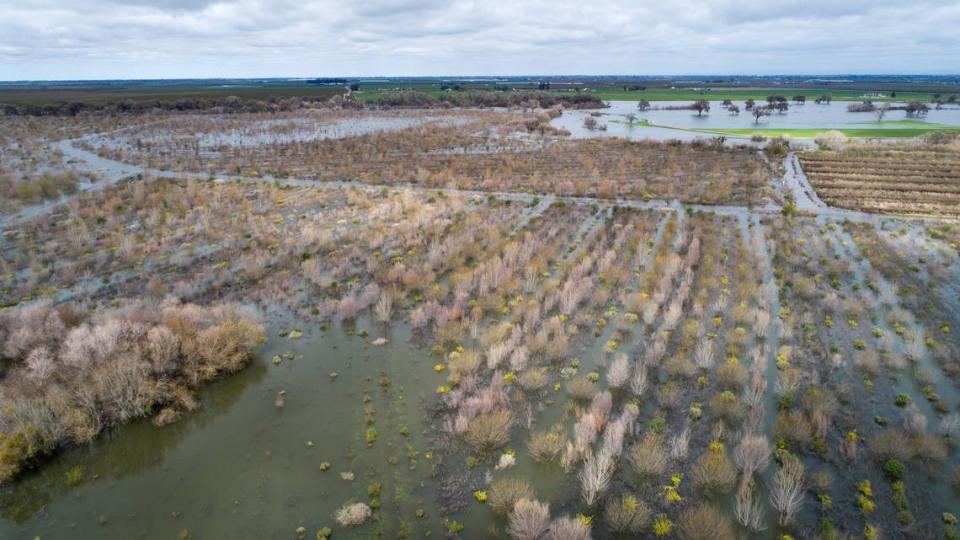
59,39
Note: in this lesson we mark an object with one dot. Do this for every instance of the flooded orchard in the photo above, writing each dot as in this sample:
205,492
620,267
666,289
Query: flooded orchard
482,328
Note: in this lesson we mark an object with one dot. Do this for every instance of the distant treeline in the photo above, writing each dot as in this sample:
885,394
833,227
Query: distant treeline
226,104
489,99
236,104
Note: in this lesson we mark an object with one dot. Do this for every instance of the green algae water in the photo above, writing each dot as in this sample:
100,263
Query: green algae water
242,466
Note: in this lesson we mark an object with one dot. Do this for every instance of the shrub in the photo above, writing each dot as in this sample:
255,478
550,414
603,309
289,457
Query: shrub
891,443
731,376
626,514
464,363
894,469
648,457
533,379
713,471
581,388
662,526
489,431
529,520
546,446
704,522
931,448
503,494
124,364
727,406
226,347
353,514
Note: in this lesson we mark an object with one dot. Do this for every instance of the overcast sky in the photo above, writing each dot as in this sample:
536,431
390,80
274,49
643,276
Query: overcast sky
104,39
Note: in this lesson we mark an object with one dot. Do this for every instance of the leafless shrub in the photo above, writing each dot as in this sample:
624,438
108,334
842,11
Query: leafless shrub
704,522
648,457
713,471
518,358
626,514
383,311
567,528
581,388
731,376
348,307
533,379
914,421
585,432
703,354
547,446
891,443
619,371
40,364
950,425
762,323
497,353
504,493
529,520
489,431
639,381
727,406
680,445
931,448
793,426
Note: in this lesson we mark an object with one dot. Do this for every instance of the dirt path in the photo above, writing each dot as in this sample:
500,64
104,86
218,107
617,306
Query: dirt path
796,181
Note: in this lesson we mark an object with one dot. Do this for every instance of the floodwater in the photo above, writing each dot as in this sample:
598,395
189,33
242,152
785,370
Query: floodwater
675,124
241,467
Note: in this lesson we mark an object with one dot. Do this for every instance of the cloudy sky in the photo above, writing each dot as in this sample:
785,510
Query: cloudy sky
103,39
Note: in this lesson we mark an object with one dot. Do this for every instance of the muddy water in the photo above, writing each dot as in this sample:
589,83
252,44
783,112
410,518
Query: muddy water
243,468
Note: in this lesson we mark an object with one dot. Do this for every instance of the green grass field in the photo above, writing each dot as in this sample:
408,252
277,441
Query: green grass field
802,133
757,94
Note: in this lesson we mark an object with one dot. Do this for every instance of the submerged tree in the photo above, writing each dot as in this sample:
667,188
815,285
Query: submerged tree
701,106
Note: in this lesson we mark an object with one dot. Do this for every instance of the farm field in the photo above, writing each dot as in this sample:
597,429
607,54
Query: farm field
472,322
896,179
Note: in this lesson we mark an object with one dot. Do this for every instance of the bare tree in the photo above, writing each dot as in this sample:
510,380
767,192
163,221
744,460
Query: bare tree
881,111
752,455
916,108
786,493
596,475
701,106
749,509
758,112
643,105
